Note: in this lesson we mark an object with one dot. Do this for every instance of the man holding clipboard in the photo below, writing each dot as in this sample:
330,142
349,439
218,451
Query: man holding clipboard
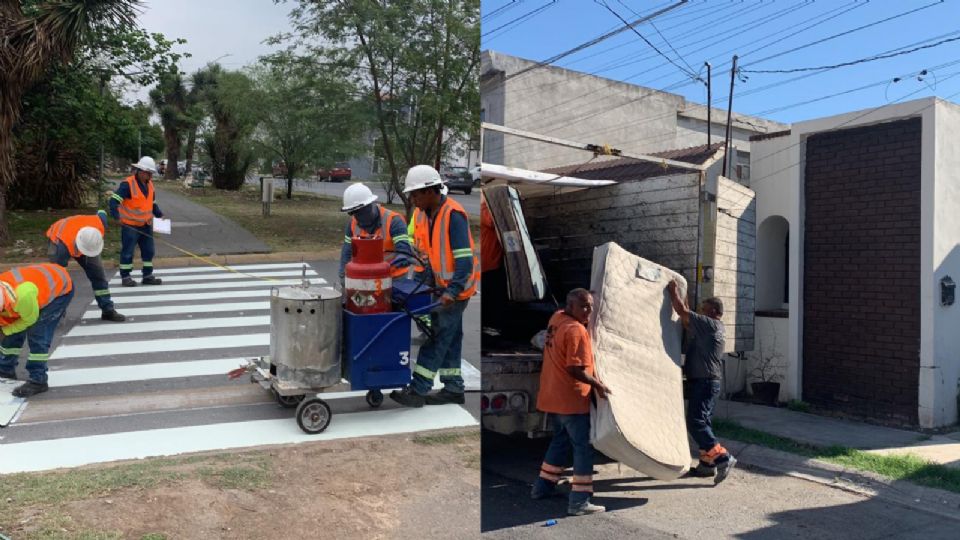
134,205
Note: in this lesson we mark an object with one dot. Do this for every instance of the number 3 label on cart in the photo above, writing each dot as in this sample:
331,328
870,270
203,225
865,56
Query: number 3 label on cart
404,358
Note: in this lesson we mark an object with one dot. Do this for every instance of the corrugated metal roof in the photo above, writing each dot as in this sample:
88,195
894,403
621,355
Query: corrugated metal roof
626,169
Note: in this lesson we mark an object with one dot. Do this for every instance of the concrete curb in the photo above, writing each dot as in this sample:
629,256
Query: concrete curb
938,502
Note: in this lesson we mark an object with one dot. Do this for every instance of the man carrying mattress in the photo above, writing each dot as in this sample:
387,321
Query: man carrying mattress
703,368
566,380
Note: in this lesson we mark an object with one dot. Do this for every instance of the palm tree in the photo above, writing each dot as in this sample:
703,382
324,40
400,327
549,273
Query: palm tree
47,34
169,98
203,80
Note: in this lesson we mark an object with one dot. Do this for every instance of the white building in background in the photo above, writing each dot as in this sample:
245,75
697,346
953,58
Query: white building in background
580,107
858,231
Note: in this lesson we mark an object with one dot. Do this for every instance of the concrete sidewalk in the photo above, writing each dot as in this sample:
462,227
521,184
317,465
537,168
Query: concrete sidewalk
199,230
823,431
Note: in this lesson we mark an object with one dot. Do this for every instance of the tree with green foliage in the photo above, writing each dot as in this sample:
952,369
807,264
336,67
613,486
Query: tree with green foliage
40,36
310,115
417,61
233,104
169,99
200,83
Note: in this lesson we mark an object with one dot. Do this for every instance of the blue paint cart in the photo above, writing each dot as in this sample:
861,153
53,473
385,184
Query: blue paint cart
318,348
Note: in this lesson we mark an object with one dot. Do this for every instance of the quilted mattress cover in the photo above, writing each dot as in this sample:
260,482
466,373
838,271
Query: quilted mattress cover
637,343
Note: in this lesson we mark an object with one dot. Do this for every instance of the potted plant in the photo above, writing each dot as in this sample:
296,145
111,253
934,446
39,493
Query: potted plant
766,374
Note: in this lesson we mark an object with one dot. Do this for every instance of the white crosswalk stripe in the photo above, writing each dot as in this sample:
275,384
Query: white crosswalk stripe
178,344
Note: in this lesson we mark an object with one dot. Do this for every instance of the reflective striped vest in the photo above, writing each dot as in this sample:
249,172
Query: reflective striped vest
65,231
441,256
411,231
136,211
386,219
52,281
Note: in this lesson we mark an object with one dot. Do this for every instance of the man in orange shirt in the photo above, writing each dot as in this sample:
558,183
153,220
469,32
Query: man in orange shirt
566,380
493,275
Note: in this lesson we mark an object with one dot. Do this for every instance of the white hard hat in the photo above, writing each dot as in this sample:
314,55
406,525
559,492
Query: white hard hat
89,241
357,196
421,176
146,163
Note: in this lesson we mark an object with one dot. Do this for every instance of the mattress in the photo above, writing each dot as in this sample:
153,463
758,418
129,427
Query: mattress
637,343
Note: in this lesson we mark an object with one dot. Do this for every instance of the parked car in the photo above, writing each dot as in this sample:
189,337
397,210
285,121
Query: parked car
458,178
279,169
181,168
475,175
339,173
162,167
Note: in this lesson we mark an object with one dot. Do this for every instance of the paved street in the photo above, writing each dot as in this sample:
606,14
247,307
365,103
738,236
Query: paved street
471,203
156,384
750,505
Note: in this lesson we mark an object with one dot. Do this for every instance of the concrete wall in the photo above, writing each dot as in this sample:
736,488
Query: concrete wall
774,178
940,361
585,108
772,347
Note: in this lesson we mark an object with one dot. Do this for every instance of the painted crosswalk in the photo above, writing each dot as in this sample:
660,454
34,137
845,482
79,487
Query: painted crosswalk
156,384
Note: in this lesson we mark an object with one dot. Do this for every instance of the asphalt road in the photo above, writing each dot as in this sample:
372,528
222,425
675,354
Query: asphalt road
471,203
156,384
750,505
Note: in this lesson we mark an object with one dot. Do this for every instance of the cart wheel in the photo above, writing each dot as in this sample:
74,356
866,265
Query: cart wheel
374,398
313,415
288,402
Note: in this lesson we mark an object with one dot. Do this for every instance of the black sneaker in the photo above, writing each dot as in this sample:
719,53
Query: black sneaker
702,470
151,280
443,397
407,397
30,388
12,375
723,469
112,315
128,282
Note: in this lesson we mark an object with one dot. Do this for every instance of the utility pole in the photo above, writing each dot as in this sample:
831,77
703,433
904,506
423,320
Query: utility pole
709,103
726,140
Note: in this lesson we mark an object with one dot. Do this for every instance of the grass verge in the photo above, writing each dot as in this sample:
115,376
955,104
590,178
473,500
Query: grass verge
896,467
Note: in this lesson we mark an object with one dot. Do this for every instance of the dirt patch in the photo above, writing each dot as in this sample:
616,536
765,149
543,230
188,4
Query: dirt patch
388,487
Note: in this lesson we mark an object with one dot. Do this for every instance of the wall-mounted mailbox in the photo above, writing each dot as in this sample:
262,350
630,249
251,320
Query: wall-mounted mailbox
947,291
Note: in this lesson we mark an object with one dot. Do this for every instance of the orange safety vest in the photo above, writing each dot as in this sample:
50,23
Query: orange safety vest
420,251
386,219
438,250
52,281
65,231
491,252
137,211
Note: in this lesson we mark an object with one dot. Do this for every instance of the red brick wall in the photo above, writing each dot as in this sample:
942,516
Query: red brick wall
861,299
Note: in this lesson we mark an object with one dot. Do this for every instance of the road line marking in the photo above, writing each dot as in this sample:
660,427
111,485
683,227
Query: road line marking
240,267
183,309
288,274
110,329
142,372
76,451
125,291
159,345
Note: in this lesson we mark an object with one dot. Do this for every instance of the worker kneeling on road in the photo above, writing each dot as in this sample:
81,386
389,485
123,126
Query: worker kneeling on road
703,368
34,299
442,233
81,238
371,220
133,204
567,379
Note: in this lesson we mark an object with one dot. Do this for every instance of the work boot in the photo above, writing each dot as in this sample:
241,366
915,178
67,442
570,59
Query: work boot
702,470
723,468
29,388
407,397
443,397
128,282
543,490
584,508
151,280
12,375
112,315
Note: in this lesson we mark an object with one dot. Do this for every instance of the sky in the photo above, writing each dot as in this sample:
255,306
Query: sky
715,30
214,28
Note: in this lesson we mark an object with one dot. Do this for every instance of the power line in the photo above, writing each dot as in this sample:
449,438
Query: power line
592,42
854,62
690,74
663,37
516,21
500,11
